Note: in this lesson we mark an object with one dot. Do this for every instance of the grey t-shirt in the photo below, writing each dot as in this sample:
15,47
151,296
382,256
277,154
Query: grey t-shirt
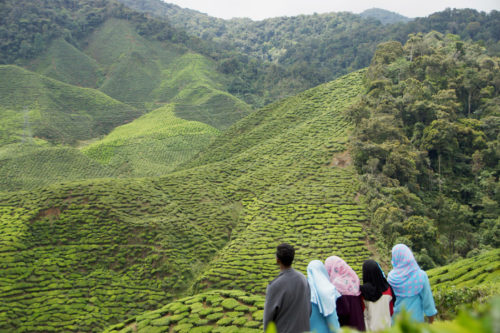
288,302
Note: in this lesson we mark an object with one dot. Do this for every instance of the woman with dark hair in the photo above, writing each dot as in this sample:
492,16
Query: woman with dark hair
411,285
346,281
323,297
378,297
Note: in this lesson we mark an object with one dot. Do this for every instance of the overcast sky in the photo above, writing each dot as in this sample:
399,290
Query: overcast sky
260,9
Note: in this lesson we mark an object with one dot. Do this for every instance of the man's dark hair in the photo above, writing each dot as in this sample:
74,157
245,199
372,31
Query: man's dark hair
285,253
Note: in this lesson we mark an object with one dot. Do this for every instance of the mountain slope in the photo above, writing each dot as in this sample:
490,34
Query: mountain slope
32,105
120,62
26,166
308,50
384,16
64,62
152,145
164,232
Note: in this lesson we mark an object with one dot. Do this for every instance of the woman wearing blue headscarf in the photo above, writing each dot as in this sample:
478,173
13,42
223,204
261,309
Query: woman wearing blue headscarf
323,299
411,285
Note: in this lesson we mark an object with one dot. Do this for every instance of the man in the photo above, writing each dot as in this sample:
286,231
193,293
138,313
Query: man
288,298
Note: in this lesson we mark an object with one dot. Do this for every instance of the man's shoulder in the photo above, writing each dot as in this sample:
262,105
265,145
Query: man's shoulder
287,276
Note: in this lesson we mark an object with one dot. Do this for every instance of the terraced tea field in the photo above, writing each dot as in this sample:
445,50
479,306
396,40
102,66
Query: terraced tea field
32,105
239,311
467,273
464,282
285,176
78,257
153,145
212,311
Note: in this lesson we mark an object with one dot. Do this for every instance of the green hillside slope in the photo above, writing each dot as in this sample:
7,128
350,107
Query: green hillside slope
300,187
197,89
163,233
133,64
152,145
467,281
471,272
32,105
64,62
81,256
27,166
136,70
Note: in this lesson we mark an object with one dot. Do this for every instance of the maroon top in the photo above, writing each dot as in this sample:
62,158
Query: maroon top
350,311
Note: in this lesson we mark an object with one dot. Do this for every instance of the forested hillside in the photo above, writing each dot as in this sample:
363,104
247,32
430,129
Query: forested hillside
384,16
426,145
307,50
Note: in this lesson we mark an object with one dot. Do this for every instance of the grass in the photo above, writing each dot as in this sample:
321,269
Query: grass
31,165
152,145
170,235
32,105
64,62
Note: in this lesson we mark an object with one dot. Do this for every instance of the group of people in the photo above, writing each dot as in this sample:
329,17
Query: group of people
332,296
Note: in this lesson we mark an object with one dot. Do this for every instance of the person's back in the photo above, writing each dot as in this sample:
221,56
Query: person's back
287,296
377,296
411,285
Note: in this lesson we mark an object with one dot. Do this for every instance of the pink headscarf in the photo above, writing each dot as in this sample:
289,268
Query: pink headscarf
342,276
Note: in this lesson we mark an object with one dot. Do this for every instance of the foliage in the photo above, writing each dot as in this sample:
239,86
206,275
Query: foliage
384,16
34,106
215,309
421,142
306,50
204,312
467,281
164,232
153,145
29,165
28,26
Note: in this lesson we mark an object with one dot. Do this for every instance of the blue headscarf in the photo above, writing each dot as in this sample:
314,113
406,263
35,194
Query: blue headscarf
323,292
406,278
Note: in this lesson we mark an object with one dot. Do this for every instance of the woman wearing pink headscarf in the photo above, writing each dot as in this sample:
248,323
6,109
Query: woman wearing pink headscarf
346,281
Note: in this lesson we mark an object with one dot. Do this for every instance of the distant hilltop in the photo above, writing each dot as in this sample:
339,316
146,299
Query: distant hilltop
384,16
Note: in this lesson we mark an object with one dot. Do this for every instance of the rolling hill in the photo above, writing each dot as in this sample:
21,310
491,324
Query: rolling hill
127,246
152,145
34,106
144,73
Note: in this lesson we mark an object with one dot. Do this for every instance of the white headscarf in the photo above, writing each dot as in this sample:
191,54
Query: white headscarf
323,292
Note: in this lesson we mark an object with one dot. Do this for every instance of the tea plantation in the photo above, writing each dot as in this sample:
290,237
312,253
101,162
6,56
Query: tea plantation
144,73
32,105
238,311
467,281
28,166
152,145
109,238
85,255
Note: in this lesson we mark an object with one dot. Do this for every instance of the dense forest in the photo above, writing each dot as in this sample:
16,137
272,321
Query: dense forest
426,143
307,50
267,59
